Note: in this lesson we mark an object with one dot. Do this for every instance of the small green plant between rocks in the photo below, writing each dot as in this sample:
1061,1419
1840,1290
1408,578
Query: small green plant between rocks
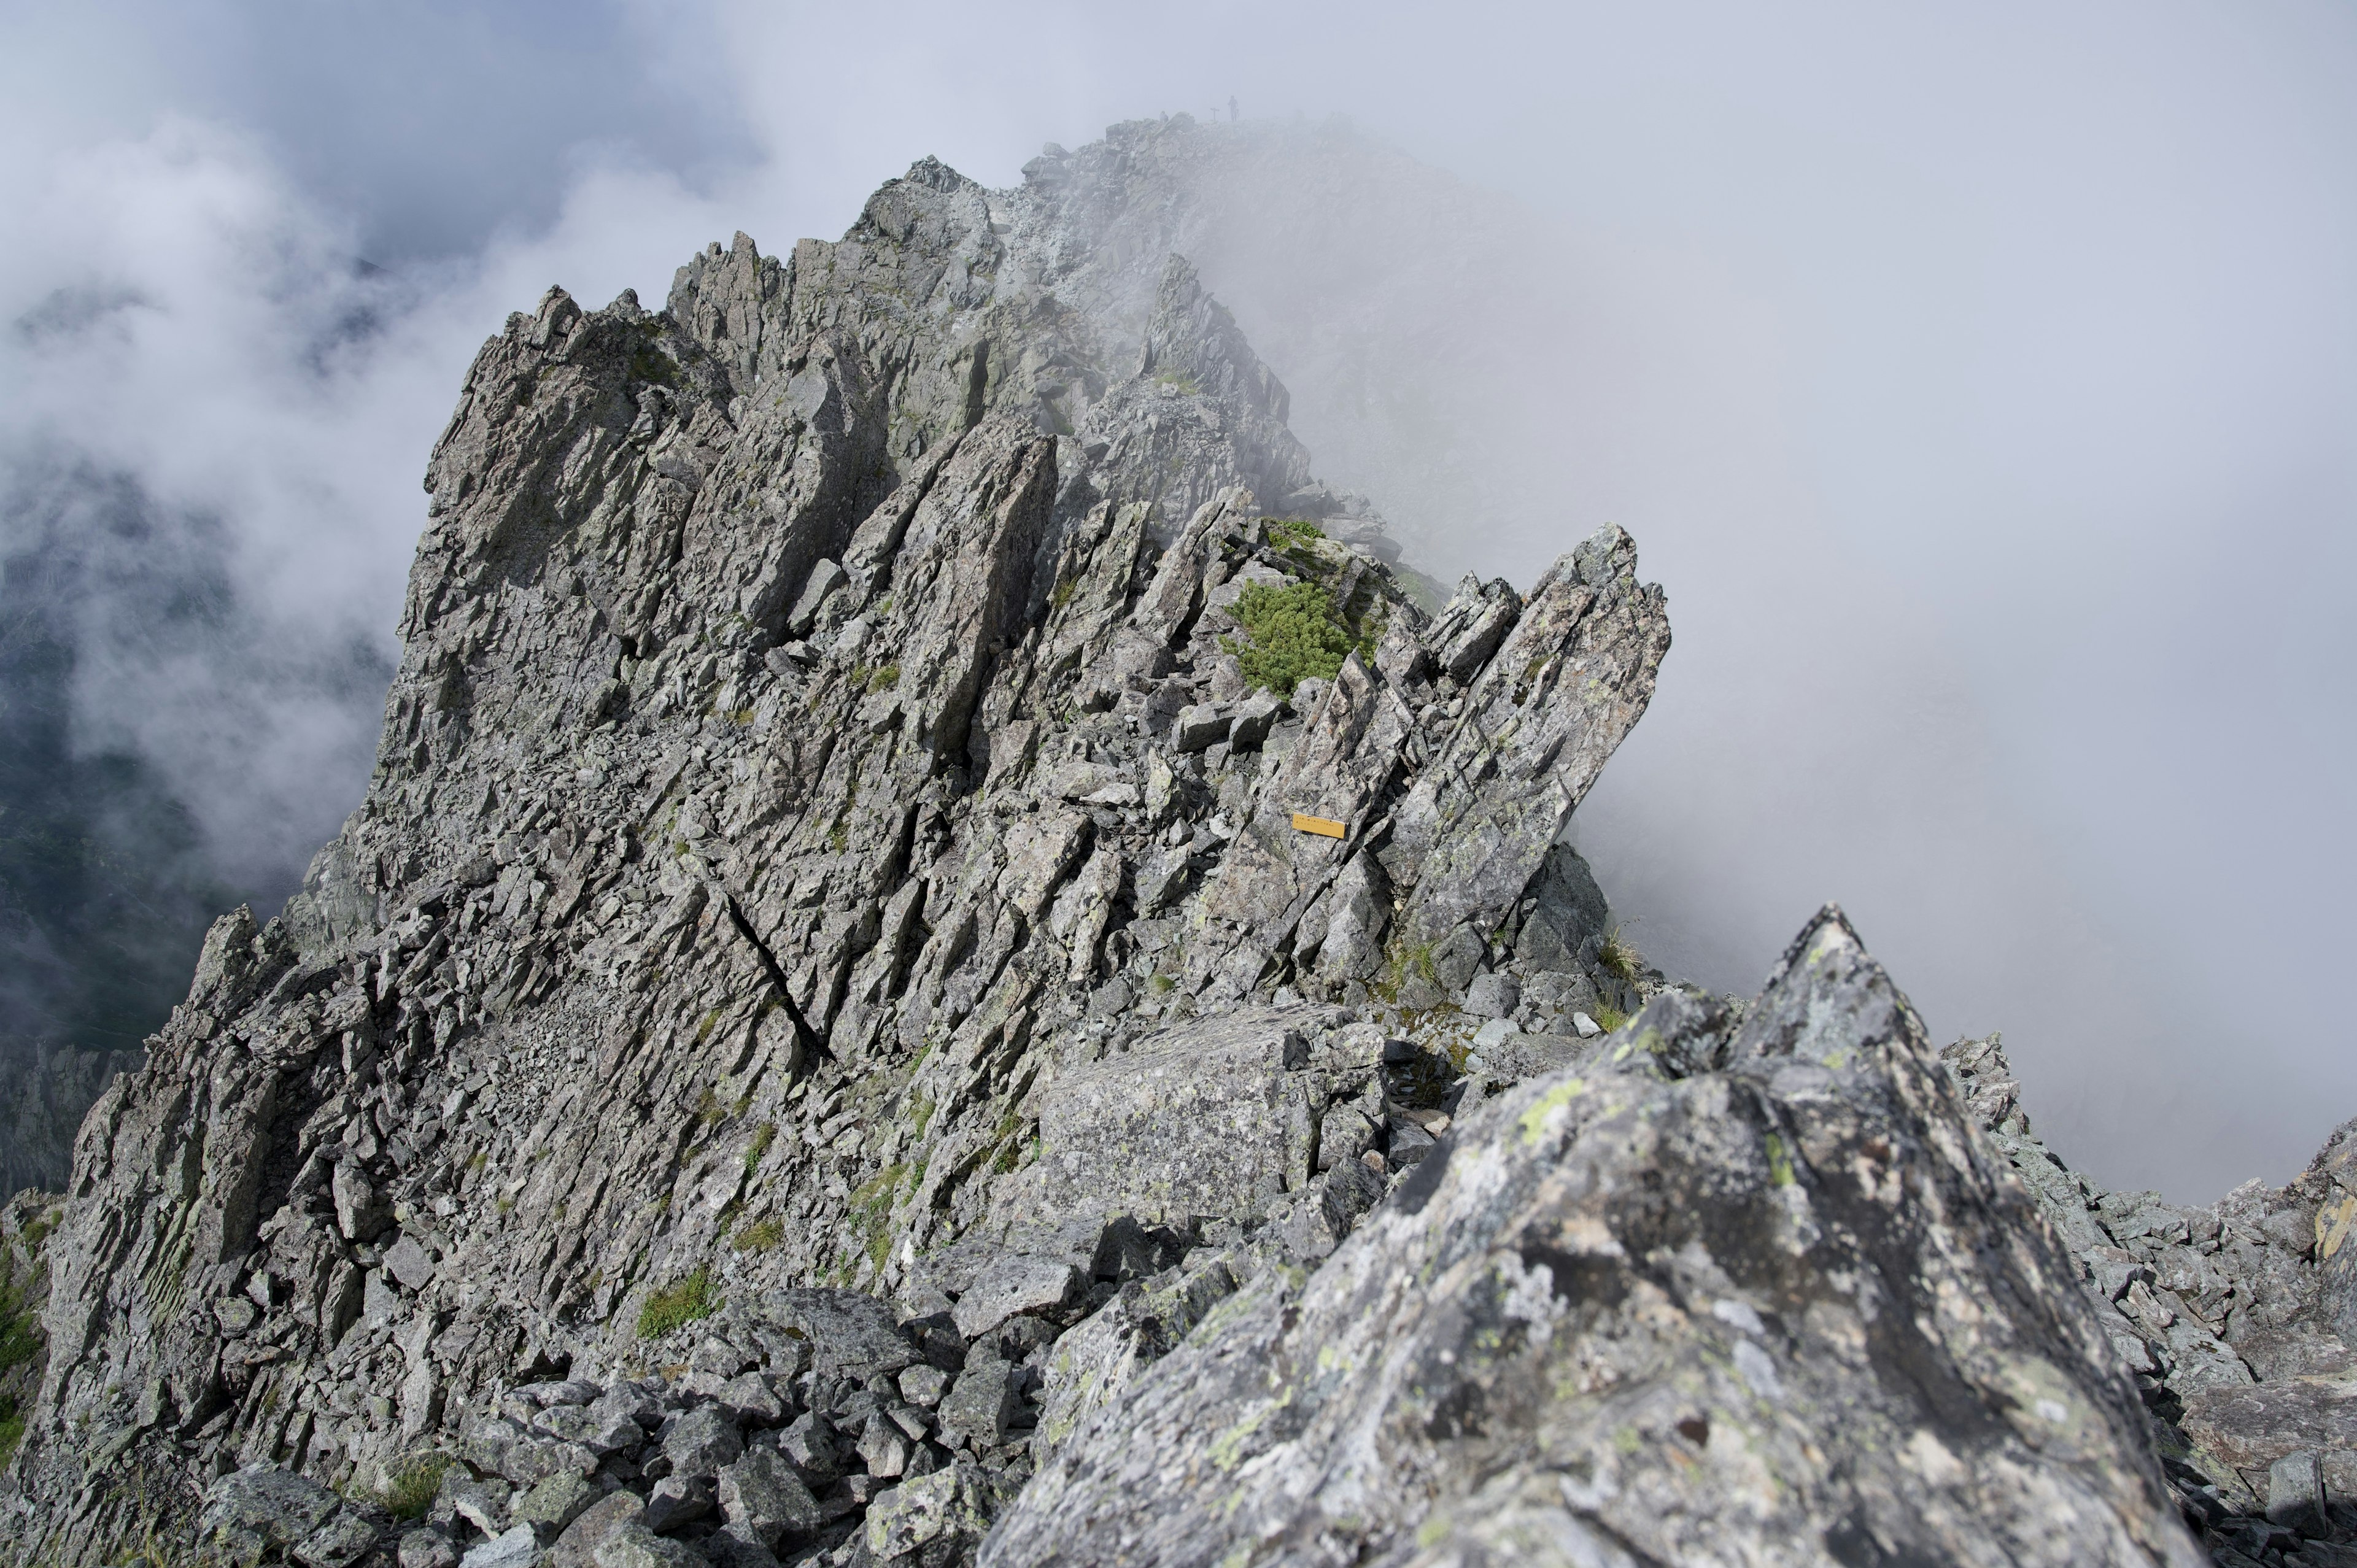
1295,636
678,1303
1619,956
411,1488
761,1236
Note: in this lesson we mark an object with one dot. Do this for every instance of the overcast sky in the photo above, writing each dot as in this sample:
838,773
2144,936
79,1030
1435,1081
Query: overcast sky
1979,379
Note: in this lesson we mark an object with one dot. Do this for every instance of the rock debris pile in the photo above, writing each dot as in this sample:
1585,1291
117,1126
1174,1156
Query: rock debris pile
949,960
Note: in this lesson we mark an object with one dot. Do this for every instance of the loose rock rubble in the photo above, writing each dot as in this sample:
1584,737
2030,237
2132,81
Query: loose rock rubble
849,1029
2232,1318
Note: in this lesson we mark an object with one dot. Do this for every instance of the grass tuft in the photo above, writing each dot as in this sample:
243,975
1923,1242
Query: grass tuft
762,1236
1619,956
680,1302
411,1488
763,1136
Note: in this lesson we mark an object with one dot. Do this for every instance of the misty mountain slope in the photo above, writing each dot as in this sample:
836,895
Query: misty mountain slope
796,751
105,890
906,909
108,875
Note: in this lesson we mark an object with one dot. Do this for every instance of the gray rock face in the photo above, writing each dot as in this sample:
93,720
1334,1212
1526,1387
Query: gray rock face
43,1093
1772,1297
841,994
763,1497
2228,1317
1214,1119
264,1511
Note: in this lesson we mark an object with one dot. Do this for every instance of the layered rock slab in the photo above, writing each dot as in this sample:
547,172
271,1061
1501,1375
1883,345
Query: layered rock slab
1739,1293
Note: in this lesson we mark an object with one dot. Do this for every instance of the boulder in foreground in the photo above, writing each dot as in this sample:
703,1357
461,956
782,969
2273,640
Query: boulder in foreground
1737,1291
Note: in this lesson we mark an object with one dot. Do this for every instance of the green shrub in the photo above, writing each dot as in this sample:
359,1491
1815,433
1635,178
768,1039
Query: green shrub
677,1303
1295,633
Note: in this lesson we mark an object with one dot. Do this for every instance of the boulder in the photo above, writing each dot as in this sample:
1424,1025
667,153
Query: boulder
1011,1284
516,1548
930,1518
701,1442
1214,1118
1607,1308
577,1546
555,1503
762,1497
851,1335
982,1403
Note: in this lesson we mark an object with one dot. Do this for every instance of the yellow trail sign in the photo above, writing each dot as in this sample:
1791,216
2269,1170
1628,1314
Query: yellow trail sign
1326,825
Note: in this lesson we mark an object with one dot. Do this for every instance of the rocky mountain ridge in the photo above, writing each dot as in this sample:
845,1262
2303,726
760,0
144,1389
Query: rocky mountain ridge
852,1025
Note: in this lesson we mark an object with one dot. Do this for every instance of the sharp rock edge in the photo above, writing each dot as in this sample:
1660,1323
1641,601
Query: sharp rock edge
823,1042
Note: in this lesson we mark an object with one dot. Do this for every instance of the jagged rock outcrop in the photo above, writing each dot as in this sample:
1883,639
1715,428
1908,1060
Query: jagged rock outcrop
1732,1288
820,750
2233,1318
43,1094
848,1018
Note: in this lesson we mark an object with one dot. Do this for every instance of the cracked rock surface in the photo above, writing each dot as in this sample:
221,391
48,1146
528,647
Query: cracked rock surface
1732,1288
828,1039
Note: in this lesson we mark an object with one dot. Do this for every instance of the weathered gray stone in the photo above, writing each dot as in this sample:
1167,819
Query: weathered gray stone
1493,996
676,1500
1567,911
762,1497
577,1547
409,1263
346,1537
1979,1411
529,1463
277,1506
1091,1365
809,1444
2296,1494
633,1545
431,1549
482,1503
1012,1283
923,1386
929,1518
599,1427
982,1403
1201,725
2247,1428
1217,1118
361,1213
883,1447
516,1548
1545,714
555,1503
853,1336
1254,717
825,578
1344,1133
701,1442
728,1547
